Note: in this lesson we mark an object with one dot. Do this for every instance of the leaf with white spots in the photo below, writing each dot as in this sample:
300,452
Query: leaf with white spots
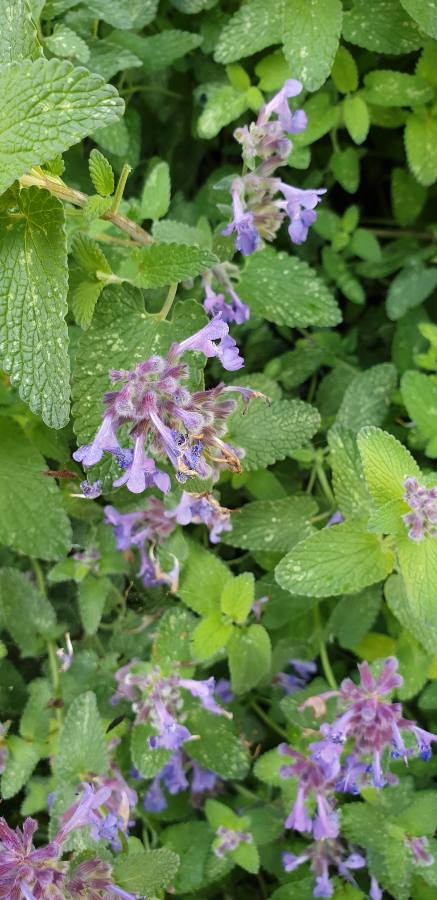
421,147
18,37
269,433
419,393
382,26
337,560
312,31
255,26
47,106
271,524
66,43
424,12
33,291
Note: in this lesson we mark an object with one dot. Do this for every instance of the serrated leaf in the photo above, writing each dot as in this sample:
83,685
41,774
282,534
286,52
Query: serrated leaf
159,265
27,498
158,51
344,72
203,578
386,464
354,615
48,106
219,747
33,288
224,104
18,37
82,742
407,608
387,87
337,560
26,614
418,566
287,291
101,173
381,26
367,398
237,597
356,118
271,524
414,665
347,474
424,12
311,34
269,433
92,594
345,166
168,231
149,872
155,199
124,13
252,28
421,147
22,759
148,762
407,196
211,636
173,635
107,58
192,841
96,207
64,42
83,301
35,721
249,655
419,393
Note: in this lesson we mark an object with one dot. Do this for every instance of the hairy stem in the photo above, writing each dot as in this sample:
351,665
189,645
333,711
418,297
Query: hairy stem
118,196
268,721
168,302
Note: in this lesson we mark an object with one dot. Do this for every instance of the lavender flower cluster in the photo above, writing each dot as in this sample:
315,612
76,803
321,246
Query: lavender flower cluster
260,200
353,752
422,520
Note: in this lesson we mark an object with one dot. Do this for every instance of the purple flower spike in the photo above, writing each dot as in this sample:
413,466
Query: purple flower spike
202,509
213,340
315,778
204,691
216,305
419,849
154,800
323,855
93,879
279,105
24,871
299,205
105,439
142,472
422,520
170,735
247,240
229,840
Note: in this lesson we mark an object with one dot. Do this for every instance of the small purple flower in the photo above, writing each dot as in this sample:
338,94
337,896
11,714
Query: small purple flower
303,674
25,871
65,657
142,473
336,519
93,879
202,509
91,491
154,800
292,123
223,691
299,205
322,856
171,735
419,849
212,340
315,778
204,691
105,440
375,892
203,780
228,840
242,224
422,520
215,304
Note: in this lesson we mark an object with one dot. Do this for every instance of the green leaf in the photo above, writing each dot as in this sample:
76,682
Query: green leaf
407,196
287,291
82,746
354,615
22,759
173,636
337,269
160,50
347,474
246,856
272,71
224,104
155,199
408,611
33,288
28,498
271,524
421,147
92,594
107,58
211,636
414,665
146,873
160,265
148,762
219,748
203,578
312,31
337,560
418,566
113,138
64,42
419,393
252,28
381,26
386,464
365,245
267,768
124,13
101,173
192,841
387,87
35,721
269,433
237,597
27,615
344,71
424,12
411,286
249,654
367,398
83,302
18,37
49,105
356,118
385,846
345,166
169,231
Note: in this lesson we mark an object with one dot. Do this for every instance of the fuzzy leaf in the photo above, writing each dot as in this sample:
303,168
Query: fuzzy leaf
345,71
82,742
386,464
23,757
410,287
224,104
271,524
92,594
269,433
424,12
219,748
252,28
367,398
421,147
347,474
107,58
27,616
407,196
337,560
381,26
66,43
287,291
311,34
158,51
386,87
249,654
124,13
101,173
203,578
419,393
160,265
237,597
356,118
155,198
149,872
18,37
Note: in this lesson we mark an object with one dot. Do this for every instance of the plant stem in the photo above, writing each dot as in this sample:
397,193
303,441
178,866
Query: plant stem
56,681
324,484
168,302
324,658
268,721
39,576
245,792
78,198
118,196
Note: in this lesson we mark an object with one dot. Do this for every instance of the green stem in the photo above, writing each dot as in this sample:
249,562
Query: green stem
39,577
168,302
118,196
268,721
249,795
56,681
326,665
324,484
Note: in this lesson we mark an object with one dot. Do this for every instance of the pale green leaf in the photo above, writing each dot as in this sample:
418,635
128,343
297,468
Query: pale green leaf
173,635
26,614
107,58
28,498
287,291
82,746
224,104
149,872
148,762
249,654
414,665
271,524
366,245
22,759
155,199
345,166
168,231
406,604
211,636
269,433
33,289
219,747
382,26
160,265
158,51
237,597
386,464
367,398
424,12
92,594
272,70
407,196
47,107
64,42
113,138
386,87
410,287
419,393
337,268
203,578
101,173
421,147
18,37
347,474
124,13
252,28
354,615
344,71
338,560
356,117
311,34
35,721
